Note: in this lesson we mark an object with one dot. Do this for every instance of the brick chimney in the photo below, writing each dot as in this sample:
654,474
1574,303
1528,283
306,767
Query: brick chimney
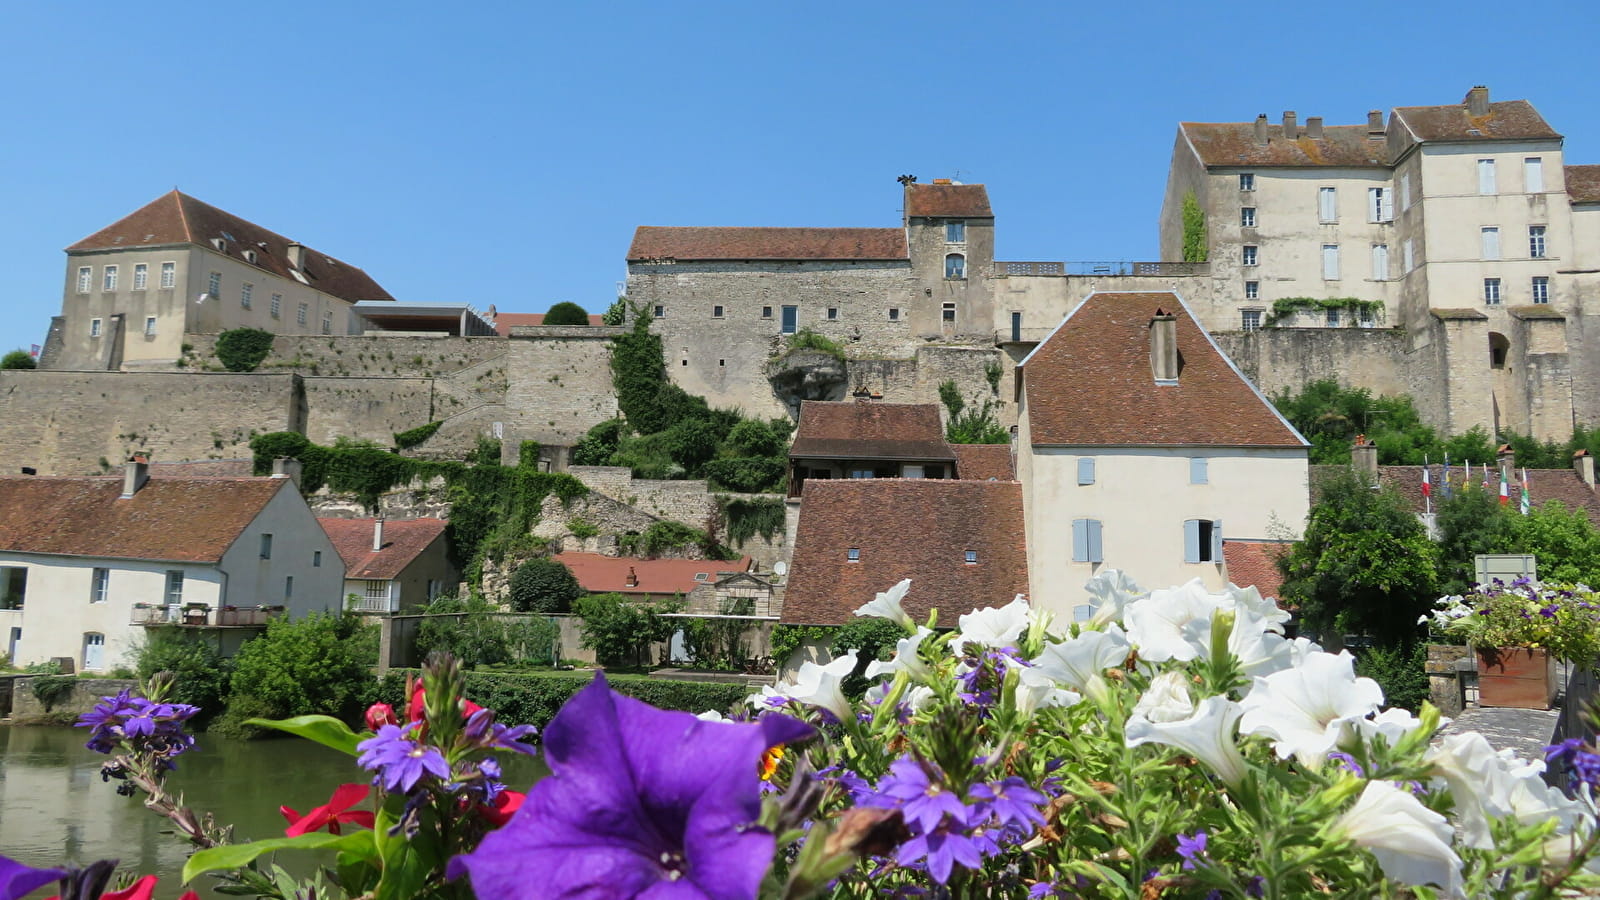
377,534
1583,464
1375,123
1261,128
1364,456
1314,127
1164,347
1508,463
135,474
1290,130
633,578
1477,101
287,467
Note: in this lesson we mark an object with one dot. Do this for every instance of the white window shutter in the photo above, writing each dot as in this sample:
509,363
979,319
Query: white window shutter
1533,174
1386,207
1086,470
1191,540
1094,541
1330,262
1380,262
1216,541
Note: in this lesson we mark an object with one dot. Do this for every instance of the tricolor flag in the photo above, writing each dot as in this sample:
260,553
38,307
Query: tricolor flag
1485,482
1427,488
1526,502
1505,489
1448,491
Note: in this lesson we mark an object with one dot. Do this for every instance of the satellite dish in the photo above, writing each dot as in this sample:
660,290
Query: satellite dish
202,298
780,568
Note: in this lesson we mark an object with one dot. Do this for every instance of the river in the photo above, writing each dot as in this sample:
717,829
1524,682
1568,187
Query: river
54,808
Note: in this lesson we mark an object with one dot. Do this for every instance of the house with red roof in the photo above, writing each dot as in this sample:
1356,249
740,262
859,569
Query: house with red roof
86,564
392,566
1142,447
868,439
648,579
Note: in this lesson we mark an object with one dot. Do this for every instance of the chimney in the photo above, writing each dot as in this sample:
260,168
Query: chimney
287,467
135,474
633,578
1261,128
1477,101
1314,127
377,534
1583,464
1364,456
1164,347
1508,464
1375,123
296,253
1290,131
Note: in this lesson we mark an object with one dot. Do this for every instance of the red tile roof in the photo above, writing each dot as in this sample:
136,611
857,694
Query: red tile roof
600,574
177,218
1235,144
870,430
403,541
504,321
906,528
983,462
1507,120
1090,384
167,519
690,243
948,200
1583,183
1255,563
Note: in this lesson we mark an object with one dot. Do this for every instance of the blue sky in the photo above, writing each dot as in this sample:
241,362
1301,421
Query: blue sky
503,153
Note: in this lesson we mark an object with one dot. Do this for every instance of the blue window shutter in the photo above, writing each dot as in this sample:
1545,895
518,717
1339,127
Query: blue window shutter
1198,470
1216,541
1094,541
1080,540
1086,470
1191,540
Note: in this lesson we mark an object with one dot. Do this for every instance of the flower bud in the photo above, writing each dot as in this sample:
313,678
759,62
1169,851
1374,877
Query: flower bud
379,715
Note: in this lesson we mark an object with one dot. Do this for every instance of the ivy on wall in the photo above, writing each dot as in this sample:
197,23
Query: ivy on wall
1195,243
405,440
747,518
1289,306
242,349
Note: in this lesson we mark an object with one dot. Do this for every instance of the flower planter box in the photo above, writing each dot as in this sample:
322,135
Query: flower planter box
1516,677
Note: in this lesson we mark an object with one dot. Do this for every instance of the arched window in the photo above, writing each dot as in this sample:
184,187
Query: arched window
1498,346
955,266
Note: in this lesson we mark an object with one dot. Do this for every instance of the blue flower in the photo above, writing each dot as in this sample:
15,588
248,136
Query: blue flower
1012,802
942,847
923,801
1191,849
399,762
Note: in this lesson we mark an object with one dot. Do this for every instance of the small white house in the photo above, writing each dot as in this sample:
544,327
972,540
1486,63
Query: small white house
393,566
87,563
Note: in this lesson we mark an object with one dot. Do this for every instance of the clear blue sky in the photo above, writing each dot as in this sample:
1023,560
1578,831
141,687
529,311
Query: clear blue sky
503,153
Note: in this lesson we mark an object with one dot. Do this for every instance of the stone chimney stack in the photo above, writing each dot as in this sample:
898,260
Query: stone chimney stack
1375,123
1477,101
1364,456
296,254
1290,130
1583,464
633,578
1261,128
377,534
135,474
1508,464
1164,347
1314,127
287,467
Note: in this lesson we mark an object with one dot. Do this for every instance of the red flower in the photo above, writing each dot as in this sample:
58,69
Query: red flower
379,715
504,805
143,889
330,814
418,700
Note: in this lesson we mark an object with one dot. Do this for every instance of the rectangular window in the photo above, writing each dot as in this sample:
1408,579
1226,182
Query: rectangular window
1016,325
1380,205
1086,470
245,290
1247,181
972,557
660,311
94,328
1331,317
894,313
85,278
327,323
1086,540
948,312
1330,262
1250,319
266,546
149,326
1202,541
300,314
1247,216
833,313
99,585
1327,204
1408,255
1541,289
141,276
716,312
955,266
276,306
955,232
377,590
169,275
13,587
1364,315
1252,290
790,323
1533,175
109,279
766,312
1405,192
853,554
288,587
1486,176
1490,242
1491,291
1248,255
214,285
316,559
174,587
1536,241
1199,470
1380,262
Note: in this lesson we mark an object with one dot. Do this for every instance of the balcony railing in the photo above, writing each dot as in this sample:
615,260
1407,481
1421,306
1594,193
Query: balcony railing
1022,335
377,605
1103,268
200,616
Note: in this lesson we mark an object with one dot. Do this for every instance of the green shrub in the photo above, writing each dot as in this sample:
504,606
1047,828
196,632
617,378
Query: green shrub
617,313
242,349
747,474
566,313
746,518
316,665
753,437
582,529
543,585
478,634
533,698
596,447
18,359
667,535
620,631
1400,670
786,639
405,440
54,690
1195,245
200,674
806,339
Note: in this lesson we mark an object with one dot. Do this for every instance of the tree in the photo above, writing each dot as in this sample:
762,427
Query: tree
544,585
621,631
1470,522
566,313
1365,563
242,349
466,629
970,425
200,674
617,313
1563,540
320,664
18,359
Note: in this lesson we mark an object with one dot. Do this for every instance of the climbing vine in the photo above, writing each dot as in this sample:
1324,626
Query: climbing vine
1289,306
749,517
242,349
1195,247
405,440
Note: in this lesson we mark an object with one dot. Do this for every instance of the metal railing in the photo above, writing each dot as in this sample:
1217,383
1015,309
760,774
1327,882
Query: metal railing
376,605
1111,268
204,616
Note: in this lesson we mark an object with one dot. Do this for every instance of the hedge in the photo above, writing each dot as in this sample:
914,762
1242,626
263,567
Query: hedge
532,698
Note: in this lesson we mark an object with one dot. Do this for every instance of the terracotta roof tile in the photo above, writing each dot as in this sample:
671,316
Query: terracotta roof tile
1090,384
1235,144
600,574
856,430
1507,120
403,541
946,200
504,321
983,462
1255,563
177,218
654,242
1583,183
1543,485
906,528
168,519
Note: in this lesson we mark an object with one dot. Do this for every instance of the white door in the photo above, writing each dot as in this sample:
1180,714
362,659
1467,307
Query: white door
94,651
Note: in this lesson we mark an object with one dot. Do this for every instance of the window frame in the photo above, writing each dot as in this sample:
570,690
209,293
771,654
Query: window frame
833,314
717,311
214,286
852,554
1541,289
1199,470
955,267
1489,242
1249,320
300,314
894,313
1538,248
1252,290
275,306
1491,292
1202,541
141,276
95,328
1330,262
1086,470
1088,541
1533,174
246,291
1405,191
373,589
108,279
327,321
1247,217
266,545
174,589
1380,262
169,275
1380,205
1331,317
99,584
970,557
1327,205
1250,255
947,311
85,279
149,326
1247,182
955,231
1488,184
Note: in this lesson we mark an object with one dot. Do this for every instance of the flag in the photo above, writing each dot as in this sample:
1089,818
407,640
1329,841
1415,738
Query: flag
1448,491
1427,489
1526,502
1485,482
1505,489
35,351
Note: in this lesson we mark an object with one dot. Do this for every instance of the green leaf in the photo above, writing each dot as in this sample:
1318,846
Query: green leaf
325,730
233,856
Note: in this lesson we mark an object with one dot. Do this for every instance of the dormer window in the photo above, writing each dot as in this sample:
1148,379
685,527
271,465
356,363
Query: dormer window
955,232
853,554
972,557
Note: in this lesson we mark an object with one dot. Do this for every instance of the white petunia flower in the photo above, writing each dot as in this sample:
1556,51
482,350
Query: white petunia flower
1393,724
1259,650
905,658
1489,784
1112,591
993,627
887,605
1037,690
1307,709
1207,735
712,715
1080,663
1248,599
1156,623
815,685
916,696
1166,700
1410,841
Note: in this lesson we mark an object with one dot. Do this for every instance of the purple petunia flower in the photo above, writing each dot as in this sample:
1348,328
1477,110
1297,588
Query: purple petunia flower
400,763
18,880
640,802
1348,763
1575,754
1191,848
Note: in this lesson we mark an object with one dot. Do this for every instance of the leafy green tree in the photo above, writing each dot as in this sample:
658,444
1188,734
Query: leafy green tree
242,349
971,425
543,585
465,628
1564,541
692,442
620,631
753,437
617,313
1365,563
200,674
566,313
638,373
597,445
318,664
1470,522
18,359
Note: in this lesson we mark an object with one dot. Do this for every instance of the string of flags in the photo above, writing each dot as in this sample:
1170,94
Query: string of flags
1524,502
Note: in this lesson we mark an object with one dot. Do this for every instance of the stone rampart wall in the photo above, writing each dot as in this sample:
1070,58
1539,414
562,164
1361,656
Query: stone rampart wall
86,692
369,354
559,388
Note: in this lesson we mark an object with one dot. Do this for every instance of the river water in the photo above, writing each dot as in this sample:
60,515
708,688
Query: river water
54,808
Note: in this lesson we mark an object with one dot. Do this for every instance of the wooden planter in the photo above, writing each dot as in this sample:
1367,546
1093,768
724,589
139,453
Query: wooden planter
1516,677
